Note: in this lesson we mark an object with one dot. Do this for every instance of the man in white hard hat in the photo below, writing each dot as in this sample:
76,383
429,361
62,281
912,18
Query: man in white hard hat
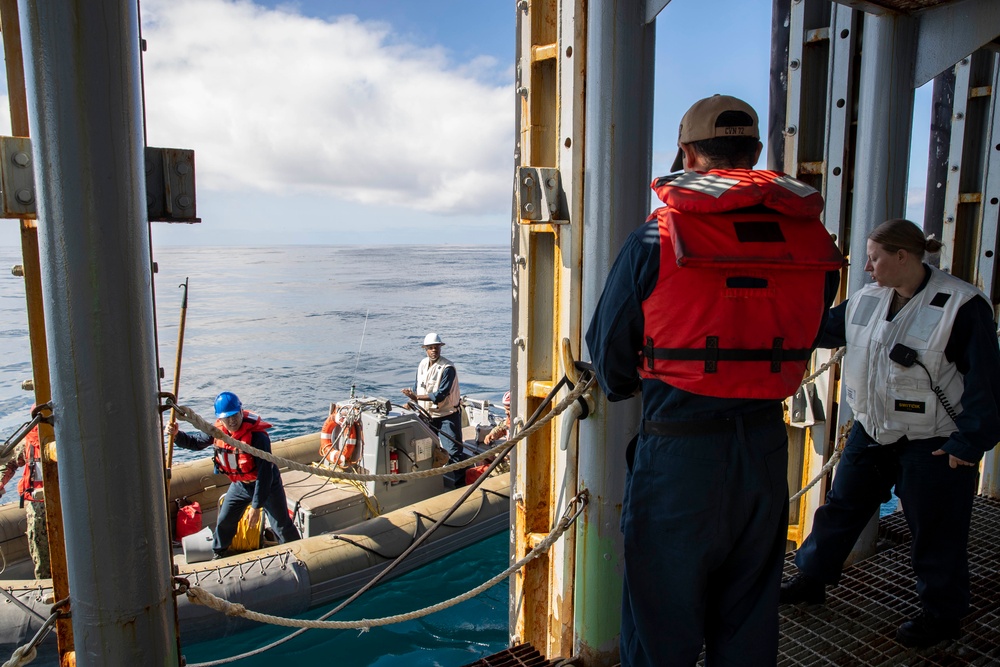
436,391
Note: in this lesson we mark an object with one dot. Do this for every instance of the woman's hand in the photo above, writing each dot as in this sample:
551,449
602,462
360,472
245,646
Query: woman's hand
953,460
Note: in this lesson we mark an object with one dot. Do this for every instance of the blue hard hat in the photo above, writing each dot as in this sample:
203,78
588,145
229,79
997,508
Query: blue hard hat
227,404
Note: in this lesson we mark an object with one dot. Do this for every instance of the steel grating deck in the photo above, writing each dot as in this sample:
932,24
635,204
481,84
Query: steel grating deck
857,625
521,655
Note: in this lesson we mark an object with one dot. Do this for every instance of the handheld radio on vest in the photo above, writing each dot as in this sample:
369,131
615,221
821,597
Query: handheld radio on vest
906,357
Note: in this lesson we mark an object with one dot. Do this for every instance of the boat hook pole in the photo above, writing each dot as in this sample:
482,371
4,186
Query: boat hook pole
177,381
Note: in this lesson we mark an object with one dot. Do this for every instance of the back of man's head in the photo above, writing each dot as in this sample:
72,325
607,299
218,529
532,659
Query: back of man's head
723,130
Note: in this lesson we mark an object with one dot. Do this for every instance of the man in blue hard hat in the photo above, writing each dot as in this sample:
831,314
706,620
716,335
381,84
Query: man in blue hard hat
255,483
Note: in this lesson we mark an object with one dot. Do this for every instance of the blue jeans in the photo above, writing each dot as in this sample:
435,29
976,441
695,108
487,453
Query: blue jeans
705,519
238,498
937,504
451,427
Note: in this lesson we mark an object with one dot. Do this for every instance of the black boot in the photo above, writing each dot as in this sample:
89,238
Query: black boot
926,630
801,588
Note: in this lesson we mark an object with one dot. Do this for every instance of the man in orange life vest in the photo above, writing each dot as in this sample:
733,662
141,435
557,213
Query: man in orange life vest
255,482
711,310
29,490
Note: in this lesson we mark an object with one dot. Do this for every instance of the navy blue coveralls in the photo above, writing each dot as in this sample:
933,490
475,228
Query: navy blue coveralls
705,512
936,499
266,492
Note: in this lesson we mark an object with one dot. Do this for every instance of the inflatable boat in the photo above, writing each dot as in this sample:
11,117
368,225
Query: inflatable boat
351,530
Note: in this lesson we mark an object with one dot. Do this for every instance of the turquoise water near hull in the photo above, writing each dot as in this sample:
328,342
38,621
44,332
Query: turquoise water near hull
455,636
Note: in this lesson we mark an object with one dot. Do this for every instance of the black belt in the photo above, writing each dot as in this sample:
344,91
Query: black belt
750,420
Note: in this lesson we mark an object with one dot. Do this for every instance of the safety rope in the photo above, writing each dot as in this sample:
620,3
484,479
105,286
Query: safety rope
187,414
198,595
587,380
829,465
838,450
837,356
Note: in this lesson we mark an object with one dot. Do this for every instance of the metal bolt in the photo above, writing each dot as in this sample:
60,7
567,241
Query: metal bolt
949,218
522,91
21,159
794,63
553,206
965,61
520,260
551,182
28,385
959,115
183,168
523,5
17,270
791,130
529,207
24,196
184,201
954,167
528,181
519,342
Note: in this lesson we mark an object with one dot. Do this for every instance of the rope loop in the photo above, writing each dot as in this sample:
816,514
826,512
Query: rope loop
198,595
187,414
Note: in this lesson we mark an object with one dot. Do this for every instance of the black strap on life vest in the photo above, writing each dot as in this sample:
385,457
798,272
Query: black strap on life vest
712,354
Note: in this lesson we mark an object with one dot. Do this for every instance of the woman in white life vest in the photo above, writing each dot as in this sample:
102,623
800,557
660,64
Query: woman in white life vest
922,377
436,390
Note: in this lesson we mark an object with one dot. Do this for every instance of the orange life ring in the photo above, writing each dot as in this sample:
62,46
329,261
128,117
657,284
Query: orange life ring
334,433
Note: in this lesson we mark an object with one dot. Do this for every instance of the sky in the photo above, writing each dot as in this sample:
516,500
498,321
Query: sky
388,121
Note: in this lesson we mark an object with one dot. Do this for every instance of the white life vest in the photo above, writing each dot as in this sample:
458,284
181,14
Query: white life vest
428,381
889,399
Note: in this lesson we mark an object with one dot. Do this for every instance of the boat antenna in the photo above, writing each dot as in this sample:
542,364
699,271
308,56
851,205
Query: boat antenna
358,359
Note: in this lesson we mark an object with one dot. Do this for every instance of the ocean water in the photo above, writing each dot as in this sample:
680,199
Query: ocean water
290,329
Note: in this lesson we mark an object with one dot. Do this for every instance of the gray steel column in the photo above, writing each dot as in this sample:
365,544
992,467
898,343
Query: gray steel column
885,118
85,112
618,159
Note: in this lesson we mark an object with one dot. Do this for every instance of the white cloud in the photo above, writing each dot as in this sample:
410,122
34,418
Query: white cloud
272,101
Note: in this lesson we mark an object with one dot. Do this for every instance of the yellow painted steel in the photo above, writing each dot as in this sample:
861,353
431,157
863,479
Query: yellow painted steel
551,67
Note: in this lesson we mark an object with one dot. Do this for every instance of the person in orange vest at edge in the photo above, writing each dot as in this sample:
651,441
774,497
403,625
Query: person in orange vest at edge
501,429
496,433
255,482
29,490
711,311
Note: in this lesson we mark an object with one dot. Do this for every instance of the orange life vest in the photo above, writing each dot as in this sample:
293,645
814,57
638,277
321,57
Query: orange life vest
339,439
235,464
740,293
31,478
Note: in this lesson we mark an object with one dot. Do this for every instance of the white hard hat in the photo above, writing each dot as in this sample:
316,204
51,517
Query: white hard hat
432,339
